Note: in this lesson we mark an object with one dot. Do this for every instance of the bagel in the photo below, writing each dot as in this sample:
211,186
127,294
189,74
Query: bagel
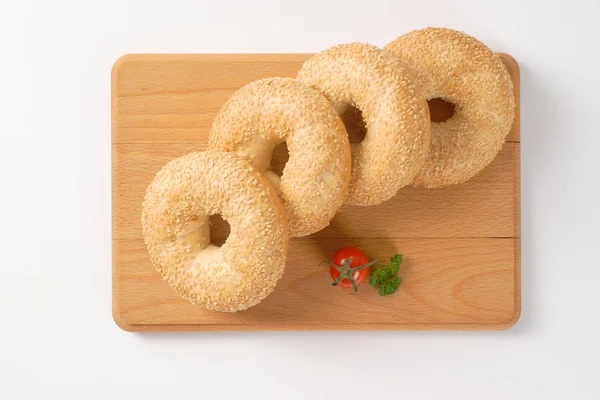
264,113
175,211
463,71
396,116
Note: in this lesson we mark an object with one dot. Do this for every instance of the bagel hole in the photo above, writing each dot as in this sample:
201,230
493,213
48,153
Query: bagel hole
219,229
279,158
355,124
440,110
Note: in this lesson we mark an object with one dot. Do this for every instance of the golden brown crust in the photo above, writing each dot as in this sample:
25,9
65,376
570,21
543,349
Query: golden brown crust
178,202
393,106
462,70
262,114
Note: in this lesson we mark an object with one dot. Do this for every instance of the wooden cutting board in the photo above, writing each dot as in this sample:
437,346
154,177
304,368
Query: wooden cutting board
461,244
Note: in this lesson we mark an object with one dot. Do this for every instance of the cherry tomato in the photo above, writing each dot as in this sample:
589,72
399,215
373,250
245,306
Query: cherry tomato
344,261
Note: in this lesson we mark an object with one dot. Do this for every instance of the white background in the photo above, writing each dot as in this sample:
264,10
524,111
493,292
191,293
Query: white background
57,336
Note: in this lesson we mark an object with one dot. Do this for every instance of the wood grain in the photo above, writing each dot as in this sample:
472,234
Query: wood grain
439,286
461,244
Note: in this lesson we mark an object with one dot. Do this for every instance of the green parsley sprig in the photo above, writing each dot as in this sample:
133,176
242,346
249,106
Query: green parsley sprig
385,277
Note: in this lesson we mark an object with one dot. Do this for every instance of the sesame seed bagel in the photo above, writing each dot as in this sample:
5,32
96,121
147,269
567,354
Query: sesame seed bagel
261,115
175,221
461,70
394,110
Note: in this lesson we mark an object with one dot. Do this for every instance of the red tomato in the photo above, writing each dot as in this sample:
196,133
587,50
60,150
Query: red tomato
357,259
